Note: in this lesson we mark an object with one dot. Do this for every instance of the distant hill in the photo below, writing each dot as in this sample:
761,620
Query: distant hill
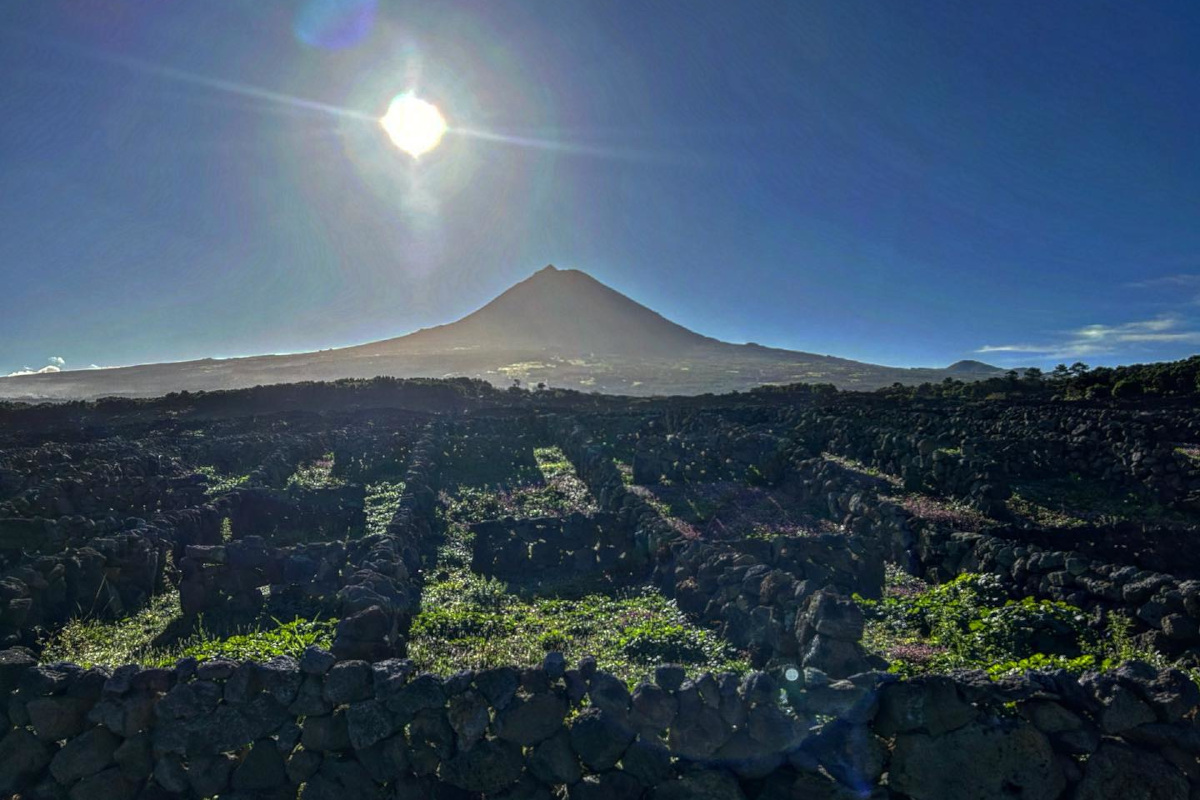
971,367
561,327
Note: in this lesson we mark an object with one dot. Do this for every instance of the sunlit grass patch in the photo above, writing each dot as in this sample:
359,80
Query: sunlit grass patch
110,643
219,482
380,503
155,636
970,623
469,621
316,474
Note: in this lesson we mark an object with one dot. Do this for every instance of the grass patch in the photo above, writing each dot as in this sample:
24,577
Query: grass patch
468,621
146,638
380,503
1072,501
316,474
970,623
219,482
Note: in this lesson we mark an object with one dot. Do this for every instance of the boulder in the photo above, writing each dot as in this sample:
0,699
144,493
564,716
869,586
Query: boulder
1119,771
599,738
983,762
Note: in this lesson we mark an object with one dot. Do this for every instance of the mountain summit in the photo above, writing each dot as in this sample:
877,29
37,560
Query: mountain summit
559,310
558,326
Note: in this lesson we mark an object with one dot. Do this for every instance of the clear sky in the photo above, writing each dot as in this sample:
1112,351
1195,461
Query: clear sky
906,183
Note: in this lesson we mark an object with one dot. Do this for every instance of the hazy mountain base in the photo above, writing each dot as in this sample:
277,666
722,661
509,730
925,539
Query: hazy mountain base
558,327
611,374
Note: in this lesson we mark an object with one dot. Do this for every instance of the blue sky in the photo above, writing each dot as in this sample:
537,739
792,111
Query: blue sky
904,183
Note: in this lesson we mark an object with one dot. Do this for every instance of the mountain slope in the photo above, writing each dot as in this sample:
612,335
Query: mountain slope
561,327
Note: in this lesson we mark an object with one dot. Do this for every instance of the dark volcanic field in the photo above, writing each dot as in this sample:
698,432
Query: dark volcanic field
400,589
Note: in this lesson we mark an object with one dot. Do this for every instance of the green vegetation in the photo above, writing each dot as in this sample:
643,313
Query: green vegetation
472,622
469,621
147,638
969,623
218,482
1071,501
380,503
316,474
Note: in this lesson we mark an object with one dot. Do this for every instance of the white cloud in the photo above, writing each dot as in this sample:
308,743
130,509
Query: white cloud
31,371
1093,340
57,361
1188,282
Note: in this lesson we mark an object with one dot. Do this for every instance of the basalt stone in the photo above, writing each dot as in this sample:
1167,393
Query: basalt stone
553,761
368,722
925,705
22,756
698,732
302,765
852,754
609,694
217,669
14,663
280,677
498,685
110,784
316,661
529,720
310,698
390,675
170,774
386,760
555,665
653,707
209,775
325,734
700,785
134,757
1122,710
988,762
422,693
760,687
263,768
340,779
771,727
459,682
57,718
44,680
469,717
430,733
613,785
488,767
348,682
576,686
525,789
86,754
89,685
648,761
747,758
599,738
1119,771
369,625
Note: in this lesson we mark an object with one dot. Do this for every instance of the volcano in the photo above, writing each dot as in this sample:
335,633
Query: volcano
559,327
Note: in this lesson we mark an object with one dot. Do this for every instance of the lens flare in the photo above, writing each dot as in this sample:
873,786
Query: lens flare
334,24
414,125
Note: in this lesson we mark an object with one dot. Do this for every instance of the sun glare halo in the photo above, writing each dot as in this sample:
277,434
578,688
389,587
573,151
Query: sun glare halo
414,125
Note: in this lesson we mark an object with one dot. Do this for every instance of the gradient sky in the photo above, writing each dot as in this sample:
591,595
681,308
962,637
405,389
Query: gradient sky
906,183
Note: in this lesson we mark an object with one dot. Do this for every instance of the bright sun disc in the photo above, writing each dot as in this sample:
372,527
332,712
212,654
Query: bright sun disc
414,125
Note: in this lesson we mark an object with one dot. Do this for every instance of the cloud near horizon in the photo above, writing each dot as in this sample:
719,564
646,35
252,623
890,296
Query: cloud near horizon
56,365
1093,340
30,371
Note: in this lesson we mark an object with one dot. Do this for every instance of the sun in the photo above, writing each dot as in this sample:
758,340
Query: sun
414,125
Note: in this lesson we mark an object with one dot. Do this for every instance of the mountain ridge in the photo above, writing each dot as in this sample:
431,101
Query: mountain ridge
560,327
